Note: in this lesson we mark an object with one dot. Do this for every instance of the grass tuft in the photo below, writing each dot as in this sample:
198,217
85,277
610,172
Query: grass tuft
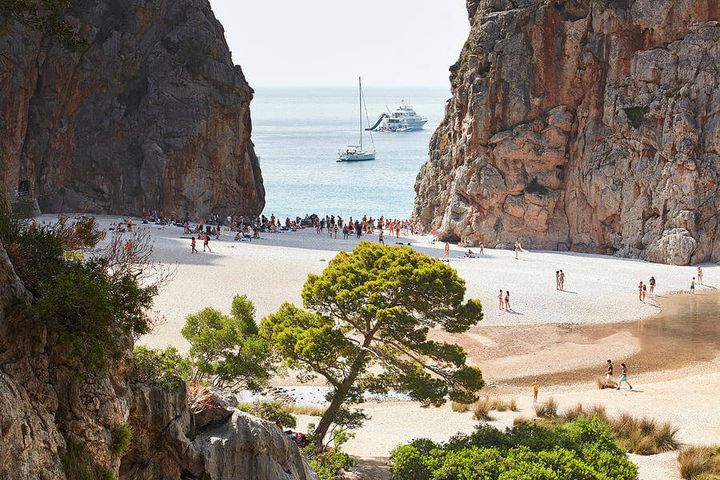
121,439
601,383
481,409
699,463
547,409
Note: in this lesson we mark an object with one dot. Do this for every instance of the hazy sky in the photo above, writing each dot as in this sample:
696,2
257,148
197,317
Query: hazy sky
331,42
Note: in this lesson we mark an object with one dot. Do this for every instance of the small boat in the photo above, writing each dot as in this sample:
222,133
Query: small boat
402,119
356,153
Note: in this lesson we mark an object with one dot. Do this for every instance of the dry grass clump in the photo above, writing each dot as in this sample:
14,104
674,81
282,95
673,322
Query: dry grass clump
460,407
640,435
644,436
482,408
310,410
601,383
698,463
547,409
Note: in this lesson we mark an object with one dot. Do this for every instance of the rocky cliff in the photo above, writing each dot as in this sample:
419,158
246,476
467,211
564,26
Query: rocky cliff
152,114
55,425
585,125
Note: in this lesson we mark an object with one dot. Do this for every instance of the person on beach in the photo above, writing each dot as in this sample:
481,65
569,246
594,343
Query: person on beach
469,253
517,248
557,279
623,377
692,285
482,249
609,373
652,286
381,238
644,292
700,274
536,388
562,280
501,302
446,257
192,245
640,292
507,301
206,243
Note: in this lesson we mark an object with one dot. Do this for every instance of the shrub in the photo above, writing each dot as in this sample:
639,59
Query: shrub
636,115
161,367
226,350
270,411
77,464
644,436
699,463
546,409
579,450
121,439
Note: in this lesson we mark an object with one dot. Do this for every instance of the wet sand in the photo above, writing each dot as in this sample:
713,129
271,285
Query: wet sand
686,331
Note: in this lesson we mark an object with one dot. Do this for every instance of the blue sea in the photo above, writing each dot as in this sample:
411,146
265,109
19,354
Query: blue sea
298,131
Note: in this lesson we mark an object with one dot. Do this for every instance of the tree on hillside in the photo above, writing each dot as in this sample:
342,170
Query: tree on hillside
226,350
45,16
365,327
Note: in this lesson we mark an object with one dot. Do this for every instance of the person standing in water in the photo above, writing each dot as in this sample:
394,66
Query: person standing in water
517,248
562,280
381,238
206,243
446,257
501,302
692,285
623,377
192,245
640,292
700,274
652,286
507,301
482,248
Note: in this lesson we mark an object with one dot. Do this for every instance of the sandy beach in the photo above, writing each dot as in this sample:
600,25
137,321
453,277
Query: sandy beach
561,336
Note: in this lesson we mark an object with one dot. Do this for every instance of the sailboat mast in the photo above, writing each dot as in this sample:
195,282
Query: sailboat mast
360,111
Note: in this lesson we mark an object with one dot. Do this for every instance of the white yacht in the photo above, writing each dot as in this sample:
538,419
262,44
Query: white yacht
402,119
356,153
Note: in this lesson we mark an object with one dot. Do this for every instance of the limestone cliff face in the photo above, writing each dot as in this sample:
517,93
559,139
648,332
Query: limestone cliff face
44,410
151,115
586,125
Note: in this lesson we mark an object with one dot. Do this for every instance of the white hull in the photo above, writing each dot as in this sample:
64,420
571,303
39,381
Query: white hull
355,156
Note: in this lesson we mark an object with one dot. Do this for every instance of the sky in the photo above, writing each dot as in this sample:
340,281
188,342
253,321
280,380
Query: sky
331,42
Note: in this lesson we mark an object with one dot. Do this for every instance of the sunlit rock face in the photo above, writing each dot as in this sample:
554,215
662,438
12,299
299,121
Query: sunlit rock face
585,125
152,115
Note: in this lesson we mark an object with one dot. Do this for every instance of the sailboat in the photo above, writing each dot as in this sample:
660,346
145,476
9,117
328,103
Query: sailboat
356,153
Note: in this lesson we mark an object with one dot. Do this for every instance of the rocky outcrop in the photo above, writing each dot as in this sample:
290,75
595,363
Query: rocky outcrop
45,411
152,114
585,125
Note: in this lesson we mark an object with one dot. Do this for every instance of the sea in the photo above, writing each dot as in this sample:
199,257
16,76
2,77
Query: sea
298,132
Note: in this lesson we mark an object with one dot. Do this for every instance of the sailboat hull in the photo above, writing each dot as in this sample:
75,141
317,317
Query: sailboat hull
355,157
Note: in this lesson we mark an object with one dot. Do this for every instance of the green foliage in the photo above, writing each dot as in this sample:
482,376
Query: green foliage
45,16
226,350
78,465
365,327
636,115
270,411
579,450
90,310
330,461
161,367
121,439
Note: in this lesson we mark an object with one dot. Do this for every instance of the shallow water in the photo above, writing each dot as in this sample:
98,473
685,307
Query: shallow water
687,330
